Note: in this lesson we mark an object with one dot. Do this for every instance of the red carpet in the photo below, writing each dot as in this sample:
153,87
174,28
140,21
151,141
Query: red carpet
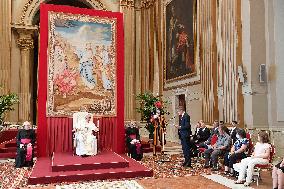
108,166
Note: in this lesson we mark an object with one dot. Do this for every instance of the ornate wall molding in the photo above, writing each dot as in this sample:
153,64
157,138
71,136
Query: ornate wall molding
25,43
127,3
32,6
24,11
25,39
147,3
192,83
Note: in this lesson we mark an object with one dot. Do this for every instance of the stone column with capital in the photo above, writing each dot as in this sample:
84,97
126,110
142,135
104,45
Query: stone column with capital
25,42
127,8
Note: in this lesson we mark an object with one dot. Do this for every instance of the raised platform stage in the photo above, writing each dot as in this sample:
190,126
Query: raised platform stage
69,168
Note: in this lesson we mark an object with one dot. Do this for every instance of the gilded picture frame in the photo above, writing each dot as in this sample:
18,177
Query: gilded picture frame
180,63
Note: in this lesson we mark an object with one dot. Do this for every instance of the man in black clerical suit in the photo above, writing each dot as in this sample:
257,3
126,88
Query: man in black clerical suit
25,145
185,132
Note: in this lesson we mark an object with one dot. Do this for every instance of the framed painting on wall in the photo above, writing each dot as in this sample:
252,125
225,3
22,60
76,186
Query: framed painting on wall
179,47
81,64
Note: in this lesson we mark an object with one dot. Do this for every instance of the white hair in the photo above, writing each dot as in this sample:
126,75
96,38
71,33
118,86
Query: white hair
27,123
88,115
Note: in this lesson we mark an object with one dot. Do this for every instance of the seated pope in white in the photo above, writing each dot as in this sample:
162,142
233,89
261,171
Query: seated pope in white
86,142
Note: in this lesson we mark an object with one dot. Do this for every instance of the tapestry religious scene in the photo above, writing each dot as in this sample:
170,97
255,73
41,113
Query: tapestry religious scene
179,37
81,65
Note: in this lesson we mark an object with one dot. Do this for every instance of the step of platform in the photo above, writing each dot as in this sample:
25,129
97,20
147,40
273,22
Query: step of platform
70,162
8,155
11,144
42,173
10,149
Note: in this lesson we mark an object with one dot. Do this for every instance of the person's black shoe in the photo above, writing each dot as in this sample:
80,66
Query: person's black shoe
188,166
206,166
215,168
194,154
226,173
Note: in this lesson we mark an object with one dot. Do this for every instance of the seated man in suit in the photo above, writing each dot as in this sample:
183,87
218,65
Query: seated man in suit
133,142
197,128
222,145
203,133
214,131
84,138
25,144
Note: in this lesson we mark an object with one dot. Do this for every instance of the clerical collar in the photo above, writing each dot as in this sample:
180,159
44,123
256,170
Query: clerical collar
182,114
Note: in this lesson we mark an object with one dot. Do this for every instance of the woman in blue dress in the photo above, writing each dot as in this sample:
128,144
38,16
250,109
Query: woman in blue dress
237,151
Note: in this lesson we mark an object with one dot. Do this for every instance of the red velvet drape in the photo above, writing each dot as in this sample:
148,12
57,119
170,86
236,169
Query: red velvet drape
59,134
54,133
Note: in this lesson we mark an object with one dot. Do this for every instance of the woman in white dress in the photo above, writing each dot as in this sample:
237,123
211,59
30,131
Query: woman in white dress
86,143
260,155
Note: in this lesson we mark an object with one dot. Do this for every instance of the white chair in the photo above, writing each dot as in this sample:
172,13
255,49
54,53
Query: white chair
79,118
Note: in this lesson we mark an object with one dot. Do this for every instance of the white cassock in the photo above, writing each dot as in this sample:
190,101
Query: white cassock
86,142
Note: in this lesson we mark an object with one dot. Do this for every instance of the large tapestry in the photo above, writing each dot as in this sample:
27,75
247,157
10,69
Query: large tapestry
179,36
82,64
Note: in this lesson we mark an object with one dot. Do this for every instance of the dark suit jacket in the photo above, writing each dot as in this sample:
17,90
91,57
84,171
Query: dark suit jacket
203,135
185,129
233,135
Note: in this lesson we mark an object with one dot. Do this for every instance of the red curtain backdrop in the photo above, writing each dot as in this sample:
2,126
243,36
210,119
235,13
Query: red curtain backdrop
54,133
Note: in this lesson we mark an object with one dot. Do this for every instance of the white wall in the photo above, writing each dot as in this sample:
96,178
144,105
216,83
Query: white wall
275,56
279,56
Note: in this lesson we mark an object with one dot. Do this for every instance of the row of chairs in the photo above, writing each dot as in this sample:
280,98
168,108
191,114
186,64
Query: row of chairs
258,167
